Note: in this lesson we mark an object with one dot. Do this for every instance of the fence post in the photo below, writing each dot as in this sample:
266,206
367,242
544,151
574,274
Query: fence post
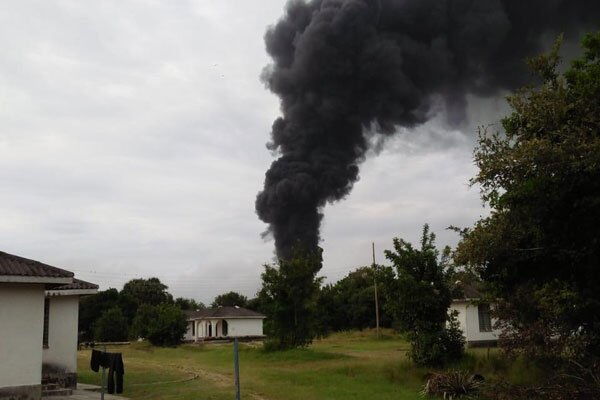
236,368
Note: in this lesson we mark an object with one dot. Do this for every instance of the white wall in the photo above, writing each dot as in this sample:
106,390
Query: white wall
62,333
473,326
21,326
235,327
245,327
188,333
468,319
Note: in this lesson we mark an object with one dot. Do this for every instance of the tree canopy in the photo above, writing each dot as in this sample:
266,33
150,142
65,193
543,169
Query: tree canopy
539,250
230,299
419,299
289,293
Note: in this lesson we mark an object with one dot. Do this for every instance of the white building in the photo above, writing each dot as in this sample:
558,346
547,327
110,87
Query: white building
38,327
474,318
61,318
224,323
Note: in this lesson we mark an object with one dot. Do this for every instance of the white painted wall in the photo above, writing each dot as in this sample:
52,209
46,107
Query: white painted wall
237,327
21,329
188,333
468,318
245,327
62,333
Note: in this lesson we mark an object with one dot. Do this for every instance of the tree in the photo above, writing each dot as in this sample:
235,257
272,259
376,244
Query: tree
147,291
539,250
167,325
420,298
92,307
111,326
230,299
143,318
350,302
189,304
289,291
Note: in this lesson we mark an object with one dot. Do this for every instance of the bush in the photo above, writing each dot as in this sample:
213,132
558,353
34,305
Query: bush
167,326
438,348
453,385
453,338
111,326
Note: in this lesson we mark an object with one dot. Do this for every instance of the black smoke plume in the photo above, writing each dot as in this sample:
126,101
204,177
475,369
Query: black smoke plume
343,68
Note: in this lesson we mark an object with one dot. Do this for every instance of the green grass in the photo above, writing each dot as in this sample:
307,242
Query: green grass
346,365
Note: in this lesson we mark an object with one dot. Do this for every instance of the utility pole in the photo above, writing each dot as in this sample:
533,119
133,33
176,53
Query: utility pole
376,297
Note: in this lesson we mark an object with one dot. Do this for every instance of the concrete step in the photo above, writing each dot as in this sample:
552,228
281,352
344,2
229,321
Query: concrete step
50,386
56,392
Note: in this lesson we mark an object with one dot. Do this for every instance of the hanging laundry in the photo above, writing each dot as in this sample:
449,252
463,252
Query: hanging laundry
114,363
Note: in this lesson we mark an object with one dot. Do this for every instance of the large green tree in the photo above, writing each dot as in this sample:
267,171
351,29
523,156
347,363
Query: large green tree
350,302
539,250
111,326
189,304
91,309
289,294
167,325
419,300
230,299
147,291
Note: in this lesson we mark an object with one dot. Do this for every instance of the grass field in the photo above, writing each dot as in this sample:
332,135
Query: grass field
353,365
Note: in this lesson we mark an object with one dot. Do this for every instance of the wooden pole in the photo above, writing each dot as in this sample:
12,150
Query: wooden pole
236,368
376,297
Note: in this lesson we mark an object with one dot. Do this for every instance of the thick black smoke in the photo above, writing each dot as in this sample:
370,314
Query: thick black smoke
345,67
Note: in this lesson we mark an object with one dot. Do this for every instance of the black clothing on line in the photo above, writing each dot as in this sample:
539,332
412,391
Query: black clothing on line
114,363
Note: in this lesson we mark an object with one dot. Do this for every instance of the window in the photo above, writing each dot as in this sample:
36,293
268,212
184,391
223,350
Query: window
46,322
485,322
193,328
225,328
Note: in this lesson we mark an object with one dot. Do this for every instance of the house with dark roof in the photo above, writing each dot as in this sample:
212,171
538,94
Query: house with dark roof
223,323
39,307
474,316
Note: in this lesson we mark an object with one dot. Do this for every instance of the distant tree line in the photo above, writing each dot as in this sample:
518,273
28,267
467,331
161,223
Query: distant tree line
142,309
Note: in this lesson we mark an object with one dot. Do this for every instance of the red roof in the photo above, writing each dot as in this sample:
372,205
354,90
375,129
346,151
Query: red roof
18,266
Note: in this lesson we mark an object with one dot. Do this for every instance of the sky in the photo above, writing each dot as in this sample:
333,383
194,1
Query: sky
132,144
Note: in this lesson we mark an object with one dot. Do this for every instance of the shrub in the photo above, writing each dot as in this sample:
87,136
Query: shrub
437,348
111,326
452,385
453,338
168,325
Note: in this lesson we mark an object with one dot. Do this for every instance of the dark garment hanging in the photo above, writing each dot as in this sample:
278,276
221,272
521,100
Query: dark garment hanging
116,367
114,363
99,359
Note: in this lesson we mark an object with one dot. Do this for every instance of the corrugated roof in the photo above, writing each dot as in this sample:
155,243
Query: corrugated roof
77,284
18,266
223,312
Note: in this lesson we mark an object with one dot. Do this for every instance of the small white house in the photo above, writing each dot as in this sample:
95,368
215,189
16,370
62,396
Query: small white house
224,323
474,318
36,327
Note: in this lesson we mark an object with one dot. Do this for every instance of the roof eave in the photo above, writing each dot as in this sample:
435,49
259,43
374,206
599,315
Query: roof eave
71,292
34,279
225,317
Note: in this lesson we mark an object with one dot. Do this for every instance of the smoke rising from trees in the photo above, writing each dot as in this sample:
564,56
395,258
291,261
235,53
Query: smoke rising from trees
347,69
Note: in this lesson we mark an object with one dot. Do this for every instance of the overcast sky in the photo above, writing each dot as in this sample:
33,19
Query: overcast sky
132,144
